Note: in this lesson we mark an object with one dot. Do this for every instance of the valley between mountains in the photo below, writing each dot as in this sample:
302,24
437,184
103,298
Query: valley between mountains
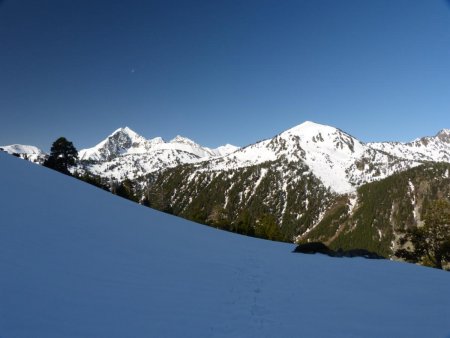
310,183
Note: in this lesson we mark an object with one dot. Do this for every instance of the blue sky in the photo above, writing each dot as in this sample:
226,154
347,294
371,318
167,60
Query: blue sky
222,71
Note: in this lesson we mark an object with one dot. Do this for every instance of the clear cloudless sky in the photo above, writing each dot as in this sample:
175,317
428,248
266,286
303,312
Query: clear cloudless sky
234,71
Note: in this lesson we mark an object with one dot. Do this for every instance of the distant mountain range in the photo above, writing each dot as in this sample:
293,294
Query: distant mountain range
127,155
338,160
305,183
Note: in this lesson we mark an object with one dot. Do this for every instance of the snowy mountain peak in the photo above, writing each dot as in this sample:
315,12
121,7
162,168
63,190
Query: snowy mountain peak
156,140
22,149
308,128
31,153
124,130
314,136
126,154
127,132
444,135
183,140
119,142
336,158
311,124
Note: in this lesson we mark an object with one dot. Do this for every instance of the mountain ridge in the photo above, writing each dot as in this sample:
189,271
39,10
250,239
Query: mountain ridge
428,148
27,152
124,154
124,141
339,160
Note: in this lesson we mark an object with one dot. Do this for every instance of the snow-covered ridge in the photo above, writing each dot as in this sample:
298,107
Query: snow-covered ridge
30,153
338,159
22,149
126,154
224,150
125,141
430,148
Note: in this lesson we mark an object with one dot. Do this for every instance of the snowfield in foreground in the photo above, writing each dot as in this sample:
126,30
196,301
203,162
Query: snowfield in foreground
76,261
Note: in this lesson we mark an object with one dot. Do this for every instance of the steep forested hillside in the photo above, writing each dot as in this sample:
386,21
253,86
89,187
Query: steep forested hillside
293,205
260,200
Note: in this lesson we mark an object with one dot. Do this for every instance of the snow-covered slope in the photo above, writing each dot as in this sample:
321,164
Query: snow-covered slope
125,154
435,148
31,153
339,160
81,262
224,150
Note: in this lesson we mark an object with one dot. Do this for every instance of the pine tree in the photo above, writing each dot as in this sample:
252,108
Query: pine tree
430,243
268,228
63,155
125,189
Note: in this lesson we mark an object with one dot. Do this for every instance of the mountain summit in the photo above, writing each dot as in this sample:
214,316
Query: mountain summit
121,141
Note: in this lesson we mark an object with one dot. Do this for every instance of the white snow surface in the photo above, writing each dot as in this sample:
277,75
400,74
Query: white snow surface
76,261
